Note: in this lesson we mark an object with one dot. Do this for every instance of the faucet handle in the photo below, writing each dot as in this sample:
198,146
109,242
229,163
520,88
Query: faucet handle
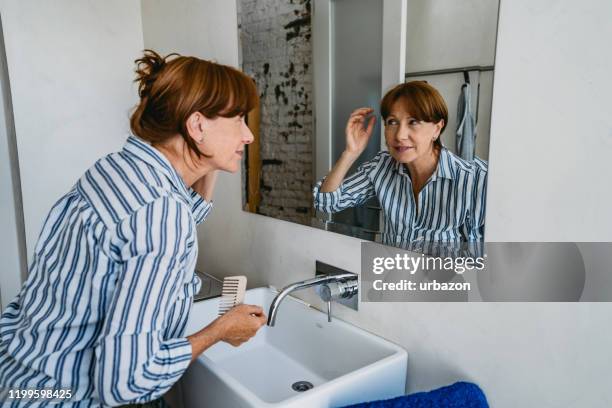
329,291
336,290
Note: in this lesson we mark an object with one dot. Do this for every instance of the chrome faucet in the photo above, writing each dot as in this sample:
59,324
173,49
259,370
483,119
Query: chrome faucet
331,287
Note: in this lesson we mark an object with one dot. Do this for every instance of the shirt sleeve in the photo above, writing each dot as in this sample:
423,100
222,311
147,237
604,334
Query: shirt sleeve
134,363
478,205
354,190
200,207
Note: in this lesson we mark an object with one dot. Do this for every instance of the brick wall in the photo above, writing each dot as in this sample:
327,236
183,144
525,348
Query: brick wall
276,50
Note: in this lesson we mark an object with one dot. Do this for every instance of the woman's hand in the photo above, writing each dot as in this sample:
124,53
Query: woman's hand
357,137
205,186
357,133
240,323
235,327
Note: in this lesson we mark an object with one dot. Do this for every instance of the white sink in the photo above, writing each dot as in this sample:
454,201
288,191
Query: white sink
345,364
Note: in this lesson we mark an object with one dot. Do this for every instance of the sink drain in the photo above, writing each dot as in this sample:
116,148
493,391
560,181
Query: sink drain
301,386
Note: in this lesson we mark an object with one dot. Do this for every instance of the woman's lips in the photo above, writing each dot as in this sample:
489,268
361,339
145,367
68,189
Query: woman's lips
402,149
239,152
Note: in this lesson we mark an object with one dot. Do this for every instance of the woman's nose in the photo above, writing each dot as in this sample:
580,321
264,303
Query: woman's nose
403,133
247,135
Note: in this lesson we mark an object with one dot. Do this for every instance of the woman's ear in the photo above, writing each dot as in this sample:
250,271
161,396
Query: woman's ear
195,126
439,126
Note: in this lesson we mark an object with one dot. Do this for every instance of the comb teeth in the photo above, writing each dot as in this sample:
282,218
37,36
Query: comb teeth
232,293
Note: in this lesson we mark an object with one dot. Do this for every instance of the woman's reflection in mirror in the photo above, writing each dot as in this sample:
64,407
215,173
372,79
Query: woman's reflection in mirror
427,193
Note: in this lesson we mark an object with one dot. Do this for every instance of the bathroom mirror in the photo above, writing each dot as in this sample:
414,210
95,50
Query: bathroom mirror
315,62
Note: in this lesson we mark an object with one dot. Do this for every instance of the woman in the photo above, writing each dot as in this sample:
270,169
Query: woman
105,305
426,192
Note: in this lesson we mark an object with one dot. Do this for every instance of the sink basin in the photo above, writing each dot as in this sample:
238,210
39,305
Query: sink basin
343,363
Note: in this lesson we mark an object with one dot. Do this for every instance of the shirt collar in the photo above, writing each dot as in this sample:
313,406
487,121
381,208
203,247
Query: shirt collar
150,155
443,169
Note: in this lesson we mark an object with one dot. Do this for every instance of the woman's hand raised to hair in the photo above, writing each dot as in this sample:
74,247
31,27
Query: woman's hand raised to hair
357,132
357,137
205,186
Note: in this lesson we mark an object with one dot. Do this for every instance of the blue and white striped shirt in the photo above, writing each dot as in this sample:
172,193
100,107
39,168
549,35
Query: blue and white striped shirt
451,205
110,286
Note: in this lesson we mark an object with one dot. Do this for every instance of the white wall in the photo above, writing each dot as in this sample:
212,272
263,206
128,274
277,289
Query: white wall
446,34
524,354
552,127
71,70
188,26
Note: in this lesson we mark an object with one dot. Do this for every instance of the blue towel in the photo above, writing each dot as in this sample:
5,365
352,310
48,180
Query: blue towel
458,395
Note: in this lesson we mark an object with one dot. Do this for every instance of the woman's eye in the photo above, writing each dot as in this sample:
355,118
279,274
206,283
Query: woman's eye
391,122
414,122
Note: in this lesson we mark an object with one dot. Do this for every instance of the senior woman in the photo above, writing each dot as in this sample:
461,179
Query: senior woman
427,193
105,305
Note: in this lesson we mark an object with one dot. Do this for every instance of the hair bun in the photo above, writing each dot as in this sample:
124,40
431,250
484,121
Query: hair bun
147,69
